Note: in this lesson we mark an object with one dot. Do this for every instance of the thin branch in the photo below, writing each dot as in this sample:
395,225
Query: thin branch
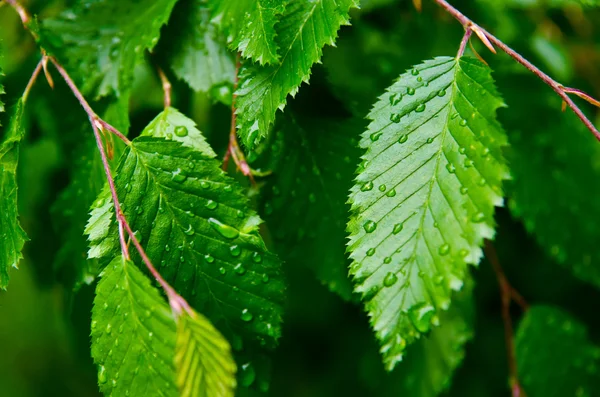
166,86
34,76
464,41
233,149
490,38
507,293
25,17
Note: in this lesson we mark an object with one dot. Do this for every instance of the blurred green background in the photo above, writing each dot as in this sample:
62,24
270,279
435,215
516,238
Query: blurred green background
327,348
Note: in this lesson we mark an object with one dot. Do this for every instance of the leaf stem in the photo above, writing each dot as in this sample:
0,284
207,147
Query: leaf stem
233,149
556,87
507,294
464,41
34,76
166,86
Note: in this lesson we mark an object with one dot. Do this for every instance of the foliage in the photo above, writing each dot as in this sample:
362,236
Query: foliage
345,237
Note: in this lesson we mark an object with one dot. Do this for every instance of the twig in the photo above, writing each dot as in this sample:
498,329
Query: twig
34,75
488,38
176,302
464,41
166,86
507,293
25,17
233,149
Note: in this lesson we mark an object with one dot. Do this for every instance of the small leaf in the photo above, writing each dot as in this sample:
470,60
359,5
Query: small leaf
203,359
424,198
249,24
196,51
305,27
101,42
133,334
12,235
555,357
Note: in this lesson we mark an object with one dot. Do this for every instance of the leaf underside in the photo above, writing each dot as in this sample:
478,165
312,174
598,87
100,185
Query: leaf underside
12,236
305,28
195,226
425,194
203,359
555,357
101,42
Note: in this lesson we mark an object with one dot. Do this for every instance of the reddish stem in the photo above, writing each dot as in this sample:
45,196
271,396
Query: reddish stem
34,76
557,87
464,41
166,86
507,293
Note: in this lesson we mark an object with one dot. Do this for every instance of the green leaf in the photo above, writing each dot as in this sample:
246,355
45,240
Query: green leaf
316,166
197,52
250,26
431,362
203,359
12,234
102,41
554,189
555,357
196,227
306,26
424,198
133,334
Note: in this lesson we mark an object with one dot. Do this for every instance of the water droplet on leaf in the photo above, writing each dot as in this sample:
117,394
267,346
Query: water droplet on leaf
181,131
390,279
370,226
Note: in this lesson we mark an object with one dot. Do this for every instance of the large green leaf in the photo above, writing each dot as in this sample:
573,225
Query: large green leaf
195,225
101,41
203,359
316,166
306,26
424,198
556,170
197,51
250,26
555,358
12,235
133,334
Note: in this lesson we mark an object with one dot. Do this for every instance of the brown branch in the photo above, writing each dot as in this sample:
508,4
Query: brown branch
488,38
507,294
166,86
233,149
177,302
34,76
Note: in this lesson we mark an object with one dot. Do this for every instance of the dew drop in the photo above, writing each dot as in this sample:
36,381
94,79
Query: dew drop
463,252
391,193
178,176
451,168
375,136
387,260
223,229
189,231
410,91
441,93
256,257
102,374
414,72
181,131
462,150
128,187
429,140
444,249
419,79
395,117
421,315
211,204
248,375
205,185
371,252
395,99
390,279
239,269
222,270
235,250
403,138
468,163
370,226
463,122
464,190
366,187
398,228
209,258
265,278
478,217
420,108
246,315
382,188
